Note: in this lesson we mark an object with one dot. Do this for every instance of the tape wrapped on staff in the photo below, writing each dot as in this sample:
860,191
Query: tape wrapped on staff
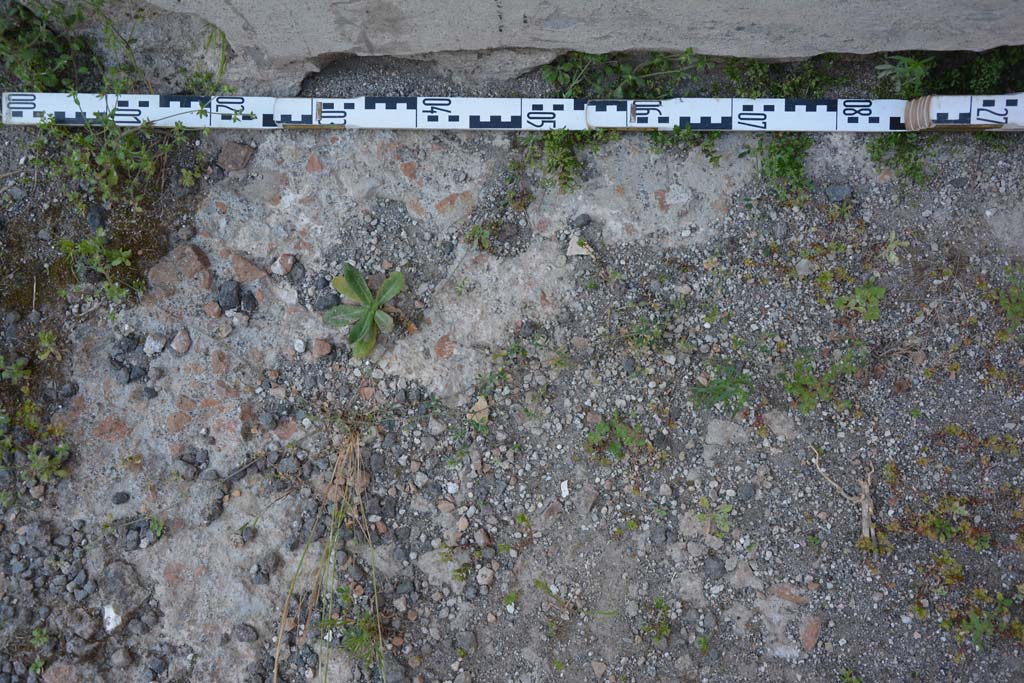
851,115
984,112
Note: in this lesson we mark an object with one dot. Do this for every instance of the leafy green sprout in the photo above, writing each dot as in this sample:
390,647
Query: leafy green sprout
461,573
849,676
866,300
1011,297
479,237
365,318
556,153
39,638
94,253
34,46
687,138
901,152
889,252
615,437
717,519
949,519
809,389
15,371
729,387
658,625
47,342
578,74
782,158
43,467
906,74
101,160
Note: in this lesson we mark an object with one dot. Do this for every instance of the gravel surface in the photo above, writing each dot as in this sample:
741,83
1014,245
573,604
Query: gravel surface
587,451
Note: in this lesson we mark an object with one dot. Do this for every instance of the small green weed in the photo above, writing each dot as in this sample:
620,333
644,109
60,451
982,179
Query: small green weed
728,387
703,645
46,341
848,675
1011,297
995,71
100,161
905,75
808,79
546,588
35,48
605,76
950,519
204,81
892,247
782,158
644,336
947,569
891,474
657,625
901,152
39,638
687,138
365,317
349,615
556,153
866,300
479,237
809,389
981,616
15,371
43,466
749,78
37,666
1004,444
357,627
95,254
615,437
103,161
717,519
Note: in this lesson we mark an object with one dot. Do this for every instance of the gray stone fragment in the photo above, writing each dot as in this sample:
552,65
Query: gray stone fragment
714,568
228,295
838,193
120,658
245,633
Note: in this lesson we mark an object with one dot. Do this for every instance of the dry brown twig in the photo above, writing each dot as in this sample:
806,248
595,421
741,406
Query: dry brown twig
343,494
867,506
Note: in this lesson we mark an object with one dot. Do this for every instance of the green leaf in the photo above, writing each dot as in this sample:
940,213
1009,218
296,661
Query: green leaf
341,287
361,328
384,321
343,315
351,284
394,284
363,347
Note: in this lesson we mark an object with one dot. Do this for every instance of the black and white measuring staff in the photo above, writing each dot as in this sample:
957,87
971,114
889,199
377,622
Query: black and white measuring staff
935,112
